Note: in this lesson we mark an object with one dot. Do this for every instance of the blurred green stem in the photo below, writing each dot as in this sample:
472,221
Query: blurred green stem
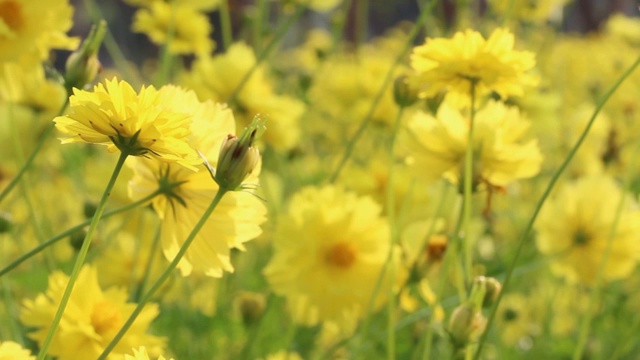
596,291
82,254
275,40
34,152
166,58
464,239
165,275
525,234
70,231
385,83
225,24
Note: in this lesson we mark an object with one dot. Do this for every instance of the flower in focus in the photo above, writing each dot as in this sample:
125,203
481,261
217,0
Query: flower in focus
27,32
576,226
141,354
237,217
90,321
453,65
142,124
329,250
10,350
436,145
185,28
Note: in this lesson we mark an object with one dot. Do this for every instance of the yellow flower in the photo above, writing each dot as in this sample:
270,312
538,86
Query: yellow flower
10,350
236,219
575,228
533,11
189,28
627,28
91,319
329,250
436,145
283,355
116,116
216,78
141,354
29,29
454,64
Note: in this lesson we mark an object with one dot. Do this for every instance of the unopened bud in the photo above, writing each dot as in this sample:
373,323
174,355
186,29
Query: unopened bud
485,290
403,93
83,65
493,291
465,325
250,306
238,156
6,222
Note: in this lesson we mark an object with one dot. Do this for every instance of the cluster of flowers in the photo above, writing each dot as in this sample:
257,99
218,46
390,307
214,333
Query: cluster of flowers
384,197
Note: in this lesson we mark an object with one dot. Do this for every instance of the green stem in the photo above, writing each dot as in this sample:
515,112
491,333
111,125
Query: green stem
148,266
275,40
338,24
393,230
385,83
34,152
225,25
110,43
82,254
597,287
165,275
166,58
70,231
543,198
464,238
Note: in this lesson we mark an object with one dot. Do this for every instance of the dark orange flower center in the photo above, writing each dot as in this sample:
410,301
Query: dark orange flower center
341,255
11,14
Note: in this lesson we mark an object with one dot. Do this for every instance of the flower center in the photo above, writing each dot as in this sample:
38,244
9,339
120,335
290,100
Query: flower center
105,316
580,238
11,14
341,255
510,315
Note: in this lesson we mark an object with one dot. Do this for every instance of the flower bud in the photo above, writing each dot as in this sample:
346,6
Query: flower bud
251,306
403,93
238,157
465,325
83,65
6,222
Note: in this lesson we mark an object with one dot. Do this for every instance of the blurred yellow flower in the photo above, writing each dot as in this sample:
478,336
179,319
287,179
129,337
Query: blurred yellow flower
436,145
10,350
575,227
141,354
235,220
216,78
91,319
329,250
452,65
116,116
283,355
28,32
532,11
185,27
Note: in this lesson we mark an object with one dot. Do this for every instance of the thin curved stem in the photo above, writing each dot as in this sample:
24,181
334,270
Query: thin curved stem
225,24
543,198
165,275
279,34
82,254
376,100
34,152
36,250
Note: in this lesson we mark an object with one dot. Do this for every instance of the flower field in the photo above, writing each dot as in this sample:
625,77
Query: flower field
319,179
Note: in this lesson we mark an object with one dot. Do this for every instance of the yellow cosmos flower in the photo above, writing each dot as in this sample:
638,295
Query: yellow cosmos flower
10,350
141,354
189,27
216,78
575,228
115,115
235,220
329,250
452,65
91,319
29,29
436,145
